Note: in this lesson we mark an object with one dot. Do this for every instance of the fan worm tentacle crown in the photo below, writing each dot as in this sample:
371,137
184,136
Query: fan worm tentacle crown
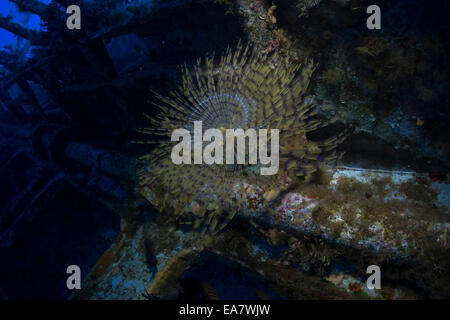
241,90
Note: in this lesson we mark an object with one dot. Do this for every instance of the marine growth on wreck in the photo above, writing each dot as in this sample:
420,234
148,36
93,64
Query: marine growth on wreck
243,90
94,206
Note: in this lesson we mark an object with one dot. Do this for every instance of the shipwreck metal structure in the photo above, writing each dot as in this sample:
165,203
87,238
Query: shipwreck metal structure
67,168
